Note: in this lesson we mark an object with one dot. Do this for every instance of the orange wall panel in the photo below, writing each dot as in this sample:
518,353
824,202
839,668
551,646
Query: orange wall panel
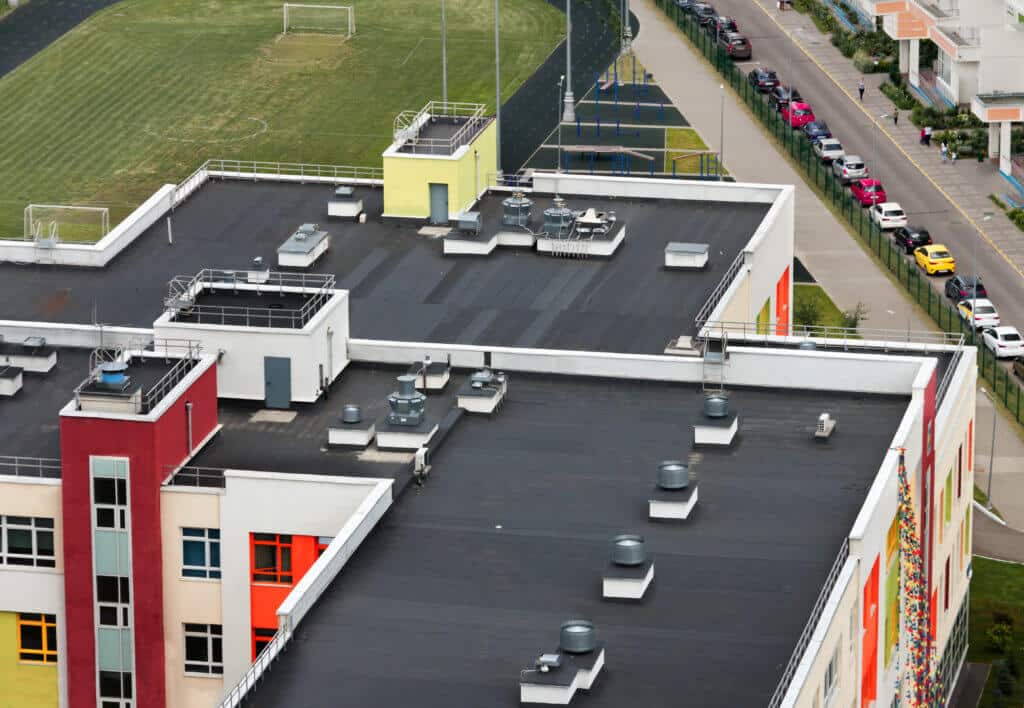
1011,114
265,598
869,653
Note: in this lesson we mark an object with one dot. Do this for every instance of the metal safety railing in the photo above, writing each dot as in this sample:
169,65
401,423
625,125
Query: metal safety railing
716,295
409,124
192,476
256,670
812,621
39,467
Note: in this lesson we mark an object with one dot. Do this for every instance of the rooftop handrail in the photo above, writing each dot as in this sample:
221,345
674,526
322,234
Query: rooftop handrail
194,476
858,337
22,466
812,621
263,661
407,124
716,295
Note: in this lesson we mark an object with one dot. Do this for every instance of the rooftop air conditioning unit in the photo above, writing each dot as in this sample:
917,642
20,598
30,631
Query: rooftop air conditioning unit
826,424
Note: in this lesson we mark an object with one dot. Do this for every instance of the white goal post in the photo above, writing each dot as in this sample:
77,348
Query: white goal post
320,19
65,222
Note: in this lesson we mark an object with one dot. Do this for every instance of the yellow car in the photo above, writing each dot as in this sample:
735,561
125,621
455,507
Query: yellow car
935,259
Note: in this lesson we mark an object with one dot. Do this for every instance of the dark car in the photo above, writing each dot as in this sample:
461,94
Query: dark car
780,96
720,25
816,130
695,7
763,79
685,5
705,13
736,45
961,287
910,237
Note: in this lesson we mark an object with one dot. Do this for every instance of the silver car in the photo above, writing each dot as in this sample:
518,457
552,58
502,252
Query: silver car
828,149
849,168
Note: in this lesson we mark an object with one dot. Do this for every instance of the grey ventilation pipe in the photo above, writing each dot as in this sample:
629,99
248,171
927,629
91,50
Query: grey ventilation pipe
578,637
188,419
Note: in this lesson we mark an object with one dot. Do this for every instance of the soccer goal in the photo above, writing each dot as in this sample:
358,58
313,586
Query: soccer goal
62,222
319,19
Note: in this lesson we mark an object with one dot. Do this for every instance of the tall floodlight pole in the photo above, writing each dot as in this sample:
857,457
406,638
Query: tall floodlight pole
444,53
721,130
497,87
627,32
569,111
558,126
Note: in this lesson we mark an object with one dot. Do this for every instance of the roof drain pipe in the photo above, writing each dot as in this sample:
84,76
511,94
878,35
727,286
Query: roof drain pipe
188,422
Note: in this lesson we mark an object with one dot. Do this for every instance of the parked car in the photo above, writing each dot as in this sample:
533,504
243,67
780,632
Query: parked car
934,258
868,191
961,287
705,14
1005,342
736,45
720,25
911,237
849,167
685,5
979,313
781,95
828,149
1018,367
889,215
817,130
797,114
763,79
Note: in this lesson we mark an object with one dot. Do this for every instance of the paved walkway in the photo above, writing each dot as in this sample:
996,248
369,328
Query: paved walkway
965,184
830,252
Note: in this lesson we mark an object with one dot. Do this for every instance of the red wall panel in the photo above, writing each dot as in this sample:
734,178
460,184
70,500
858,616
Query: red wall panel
869,653
265,598
782,304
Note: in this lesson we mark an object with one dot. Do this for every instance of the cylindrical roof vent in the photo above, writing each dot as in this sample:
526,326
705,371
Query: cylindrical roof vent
407,385
351,413
628,549
716,405
808,345
673,474
578,637
112,373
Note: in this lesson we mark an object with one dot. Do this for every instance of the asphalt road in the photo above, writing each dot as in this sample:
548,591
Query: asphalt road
904,183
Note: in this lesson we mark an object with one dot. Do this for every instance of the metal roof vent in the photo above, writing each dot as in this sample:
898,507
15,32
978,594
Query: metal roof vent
113,373
716,405
558,219
351,413
546,662
628,549
826,424
516,210
673,474
577,637
808,345
408,406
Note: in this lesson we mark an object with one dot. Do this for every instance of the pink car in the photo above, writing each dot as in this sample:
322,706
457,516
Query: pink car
868,191
797,115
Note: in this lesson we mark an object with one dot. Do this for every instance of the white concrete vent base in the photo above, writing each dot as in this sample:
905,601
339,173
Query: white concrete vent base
390,440
561,695
658,509
627,588
350,436
466,247
715,434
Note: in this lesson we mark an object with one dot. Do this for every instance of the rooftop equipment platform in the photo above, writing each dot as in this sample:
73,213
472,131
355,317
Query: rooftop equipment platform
440,127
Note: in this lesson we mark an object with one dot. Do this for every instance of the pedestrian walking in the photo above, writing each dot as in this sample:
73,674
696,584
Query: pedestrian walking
928,136
923,137
860,89
952,155
896,117
944,150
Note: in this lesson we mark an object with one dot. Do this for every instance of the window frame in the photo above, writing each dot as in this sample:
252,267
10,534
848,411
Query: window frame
208,538
36,526
45,622
119,509
213,634
261,635
276,574
830,682
122,606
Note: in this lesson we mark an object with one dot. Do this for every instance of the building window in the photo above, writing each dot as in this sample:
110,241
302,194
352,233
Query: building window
115,689
959,471
37,638
831,676
970,445
945,587
27,540
200,552
271,558
203,649
261,637
949,497
110,499
113,600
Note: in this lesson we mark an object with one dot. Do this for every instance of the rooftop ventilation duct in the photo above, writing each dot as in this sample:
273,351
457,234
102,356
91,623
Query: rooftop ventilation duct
408,406
826,424
673,474
716,405
808,345
113,374
630,572
351,413
558,219
628,550
516,210
578,637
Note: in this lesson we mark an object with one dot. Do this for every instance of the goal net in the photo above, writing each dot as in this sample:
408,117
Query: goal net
62,222
319,19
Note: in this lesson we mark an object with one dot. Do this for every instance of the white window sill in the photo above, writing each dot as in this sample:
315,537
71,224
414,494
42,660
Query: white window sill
199,580
192,674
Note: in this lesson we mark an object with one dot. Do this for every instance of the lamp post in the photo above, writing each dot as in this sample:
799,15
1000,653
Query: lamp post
985,216
444,53
991,451
874,146
569,112
721,129
558,124
497,87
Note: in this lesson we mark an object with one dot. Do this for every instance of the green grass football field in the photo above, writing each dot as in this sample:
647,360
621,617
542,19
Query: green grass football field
144,91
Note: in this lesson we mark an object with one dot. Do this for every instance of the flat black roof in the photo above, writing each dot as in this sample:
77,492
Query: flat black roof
250,308
402,286
465,582
438,130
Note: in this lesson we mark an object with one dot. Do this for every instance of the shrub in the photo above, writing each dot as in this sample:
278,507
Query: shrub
900,96
865,63
853,318
1000,635
1006,684
1017,217
807,313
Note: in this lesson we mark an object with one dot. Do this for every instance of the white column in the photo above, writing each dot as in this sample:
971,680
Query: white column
954,80
914,59
904,55
1005,165
993,139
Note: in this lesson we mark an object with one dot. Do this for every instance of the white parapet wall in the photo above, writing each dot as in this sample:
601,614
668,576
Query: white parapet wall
61,334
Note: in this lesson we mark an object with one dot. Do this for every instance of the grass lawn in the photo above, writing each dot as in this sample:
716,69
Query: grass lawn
809,299
996,587
678,140
145,90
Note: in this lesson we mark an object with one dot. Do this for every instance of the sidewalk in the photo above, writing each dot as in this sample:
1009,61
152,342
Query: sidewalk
966,184
827,249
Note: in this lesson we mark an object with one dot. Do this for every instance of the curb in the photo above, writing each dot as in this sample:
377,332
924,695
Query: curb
915,163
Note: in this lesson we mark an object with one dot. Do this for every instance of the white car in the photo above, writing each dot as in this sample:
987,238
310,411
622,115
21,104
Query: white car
828,149
888,215
849,167
1003,341
981,313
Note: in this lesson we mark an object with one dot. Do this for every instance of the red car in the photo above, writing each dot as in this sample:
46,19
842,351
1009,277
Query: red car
797,114
868,191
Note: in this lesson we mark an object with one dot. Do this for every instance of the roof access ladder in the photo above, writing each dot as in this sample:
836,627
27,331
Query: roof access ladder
713,362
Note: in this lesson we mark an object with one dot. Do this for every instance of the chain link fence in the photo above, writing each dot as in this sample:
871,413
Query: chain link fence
1003,385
